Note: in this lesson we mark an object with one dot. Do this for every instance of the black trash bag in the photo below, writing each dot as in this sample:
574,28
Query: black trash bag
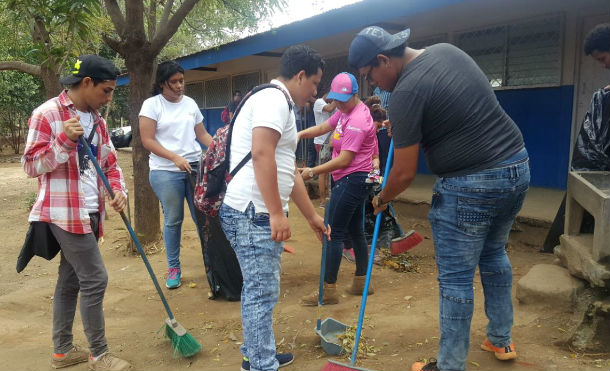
592,147
591,153
389,228
221,265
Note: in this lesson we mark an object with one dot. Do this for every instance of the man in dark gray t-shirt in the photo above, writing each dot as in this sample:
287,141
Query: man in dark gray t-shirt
442,101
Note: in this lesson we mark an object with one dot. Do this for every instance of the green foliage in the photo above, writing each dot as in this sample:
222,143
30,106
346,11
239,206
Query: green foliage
215,22
119,107
20,93
49,32
29,200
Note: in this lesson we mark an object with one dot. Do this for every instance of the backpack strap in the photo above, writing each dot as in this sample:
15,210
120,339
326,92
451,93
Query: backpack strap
239,106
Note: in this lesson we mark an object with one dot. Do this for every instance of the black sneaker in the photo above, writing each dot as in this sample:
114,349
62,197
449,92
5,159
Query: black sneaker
283,358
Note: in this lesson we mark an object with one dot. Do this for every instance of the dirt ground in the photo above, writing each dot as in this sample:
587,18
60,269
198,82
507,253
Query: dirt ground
401,320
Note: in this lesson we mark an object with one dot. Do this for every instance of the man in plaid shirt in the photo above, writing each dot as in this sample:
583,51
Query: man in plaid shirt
71,200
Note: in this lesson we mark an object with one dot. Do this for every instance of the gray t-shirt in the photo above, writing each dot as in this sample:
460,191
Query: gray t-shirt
444,101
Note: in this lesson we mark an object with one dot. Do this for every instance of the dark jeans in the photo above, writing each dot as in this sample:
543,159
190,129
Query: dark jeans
81,269
345,219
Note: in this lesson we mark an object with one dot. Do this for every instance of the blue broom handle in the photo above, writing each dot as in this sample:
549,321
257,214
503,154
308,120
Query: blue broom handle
369,268
322,270
128,225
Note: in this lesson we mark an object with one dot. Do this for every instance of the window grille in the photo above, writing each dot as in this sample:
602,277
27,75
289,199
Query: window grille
244,82
217,93
332,68
195,91
519,54
423,43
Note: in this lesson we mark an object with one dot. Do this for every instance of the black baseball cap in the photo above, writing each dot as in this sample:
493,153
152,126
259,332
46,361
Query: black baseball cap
92,66
372,41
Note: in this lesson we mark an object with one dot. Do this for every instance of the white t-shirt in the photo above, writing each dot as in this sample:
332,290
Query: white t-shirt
175,129
89,177
267,108
320,117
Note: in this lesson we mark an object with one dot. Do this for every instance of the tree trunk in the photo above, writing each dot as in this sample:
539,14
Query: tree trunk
146,213
50,80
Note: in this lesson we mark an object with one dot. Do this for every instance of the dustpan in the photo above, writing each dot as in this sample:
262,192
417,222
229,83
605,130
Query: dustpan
329,329
337,366
329,332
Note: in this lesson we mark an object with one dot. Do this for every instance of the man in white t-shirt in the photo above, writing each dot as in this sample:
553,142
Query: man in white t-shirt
254,214
322,110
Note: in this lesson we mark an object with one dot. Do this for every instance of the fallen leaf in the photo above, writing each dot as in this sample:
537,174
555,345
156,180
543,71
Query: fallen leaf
475,363
192,285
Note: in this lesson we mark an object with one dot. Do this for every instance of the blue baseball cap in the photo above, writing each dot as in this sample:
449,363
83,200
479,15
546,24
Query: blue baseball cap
343,87
372,41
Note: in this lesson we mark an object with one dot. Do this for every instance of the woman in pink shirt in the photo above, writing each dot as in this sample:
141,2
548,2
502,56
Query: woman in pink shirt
354,150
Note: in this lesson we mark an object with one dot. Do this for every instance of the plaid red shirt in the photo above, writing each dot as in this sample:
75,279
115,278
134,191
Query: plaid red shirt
52,157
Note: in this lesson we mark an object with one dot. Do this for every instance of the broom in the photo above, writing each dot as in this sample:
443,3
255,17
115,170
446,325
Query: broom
404,242
182,342
337,366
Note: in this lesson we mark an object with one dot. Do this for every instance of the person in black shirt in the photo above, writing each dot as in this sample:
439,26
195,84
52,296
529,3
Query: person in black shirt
442,102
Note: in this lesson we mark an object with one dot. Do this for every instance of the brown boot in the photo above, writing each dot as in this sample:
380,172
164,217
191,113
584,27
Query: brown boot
358,286
330,296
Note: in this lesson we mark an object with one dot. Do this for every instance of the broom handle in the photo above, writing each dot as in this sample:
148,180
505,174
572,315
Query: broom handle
322,271
128,225
369,268
394,215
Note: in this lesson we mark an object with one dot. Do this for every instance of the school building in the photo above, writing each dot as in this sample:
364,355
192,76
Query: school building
531,51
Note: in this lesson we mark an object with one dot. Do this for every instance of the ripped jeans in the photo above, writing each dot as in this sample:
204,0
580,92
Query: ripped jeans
471,218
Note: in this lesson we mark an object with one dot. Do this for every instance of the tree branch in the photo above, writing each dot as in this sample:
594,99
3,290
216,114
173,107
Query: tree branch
134,16
30,69
114,44
165,33
166,12
152,19
116,16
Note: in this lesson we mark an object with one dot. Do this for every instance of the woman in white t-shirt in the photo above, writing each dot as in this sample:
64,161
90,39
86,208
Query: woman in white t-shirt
170,126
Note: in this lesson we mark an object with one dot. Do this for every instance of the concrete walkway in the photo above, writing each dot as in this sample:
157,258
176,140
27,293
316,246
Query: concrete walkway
540,205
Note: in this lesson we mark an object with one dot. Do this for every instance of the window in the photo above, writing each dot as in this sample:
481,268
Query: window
195,91
332,68
246,81
217,93
423,43
519,54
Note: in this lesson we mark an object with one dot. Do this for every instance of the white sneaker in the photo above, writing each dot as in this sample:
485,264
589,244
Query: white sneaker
72,357
108,362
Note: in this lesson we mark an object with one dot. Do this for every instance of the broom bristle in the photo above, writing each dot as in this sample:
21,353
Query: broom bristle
405,243
185,345
336,366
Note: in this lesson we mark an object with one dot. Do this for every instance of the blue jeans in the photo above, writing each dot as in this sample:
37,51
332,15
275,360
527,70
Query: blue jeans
471,217
345,213
249,234
172,188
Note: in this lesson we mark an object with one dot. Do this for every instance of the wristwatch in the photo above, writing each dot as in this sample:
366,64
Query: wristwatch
380,202
310,172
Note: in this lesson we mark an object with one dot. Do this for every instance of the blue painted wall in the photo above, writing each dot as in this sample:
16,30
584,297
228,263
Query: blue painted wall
211,119
544,116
